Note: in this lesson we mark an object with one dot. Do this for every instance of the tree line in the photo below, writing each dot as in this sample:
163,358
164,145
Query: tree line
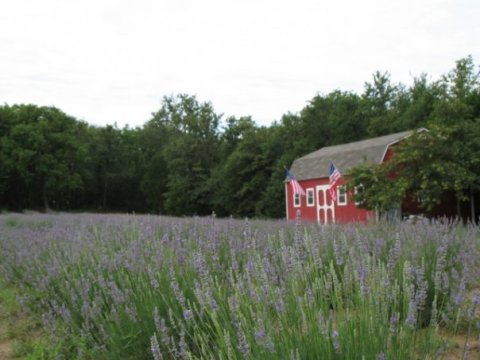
188,160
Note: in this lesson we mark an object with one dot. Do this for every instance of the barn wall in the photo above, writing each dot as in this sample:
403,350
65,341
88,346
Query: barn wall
343,213
389,153
307,213
448,207
351,212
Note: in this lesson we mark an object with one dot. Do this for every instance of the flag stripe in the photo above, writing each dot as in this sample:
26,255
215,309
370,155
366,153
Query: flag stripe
333,178
296,187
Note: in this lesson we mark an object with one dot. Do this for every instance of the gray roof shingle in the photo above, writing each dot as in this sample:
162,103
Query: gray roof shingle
344,156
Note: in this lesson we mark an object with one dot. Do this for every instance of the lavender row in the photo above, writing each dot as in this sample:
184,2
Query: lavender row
121,286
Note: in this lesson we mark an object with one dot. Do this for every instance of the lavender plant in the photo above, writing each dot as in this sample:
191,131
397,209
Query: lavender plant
143,287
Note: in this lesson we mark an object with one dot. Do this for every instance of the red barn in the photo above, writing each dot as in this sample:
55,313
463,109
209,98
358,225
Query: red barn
312,172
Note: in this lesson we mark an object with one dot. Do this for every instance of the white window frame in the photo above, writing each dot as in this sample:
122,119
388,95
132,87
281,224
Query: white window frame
343,188
295,197
355,191
310,195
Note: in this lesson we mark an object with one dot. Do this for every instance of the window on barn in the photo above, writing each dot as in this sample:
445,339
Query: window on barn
341,195
310,197
421,198
358,190
297,202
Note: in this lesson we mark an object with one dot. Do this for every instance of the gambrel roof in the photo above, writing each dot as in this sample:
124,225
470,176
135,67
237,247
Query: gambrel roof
345,156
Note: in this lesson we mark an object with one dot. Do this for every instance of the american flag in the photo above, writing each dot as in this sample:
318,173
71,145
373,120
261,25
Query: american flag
296,187
334,176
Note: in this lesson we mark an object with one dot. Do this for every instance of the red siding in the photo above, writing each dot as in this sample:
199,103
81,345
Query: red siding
306,212
343,213
388,154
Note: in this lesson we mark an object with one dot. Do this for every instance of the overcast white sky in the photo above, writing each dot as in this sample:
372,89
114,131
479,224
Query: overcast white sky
106,61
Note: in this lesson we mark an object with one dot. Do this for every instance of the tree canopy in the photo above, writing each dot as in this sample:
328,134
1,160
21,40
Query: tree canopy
430,163
188,160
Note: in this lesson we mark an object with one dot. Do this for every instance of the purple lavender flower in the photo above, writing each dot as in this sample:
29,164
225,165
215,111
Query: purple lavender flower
421,294
337,248
459,296
118,295
131,313
262,338
280,306
243,345
259,334
336,342
322,325
213,304
154,283
474,304
155,348
441,257
394,254
298,236
394,319
233,304
188,314
269,345
247,232
176,288
411,320
310,295
182,345
362,272
115,258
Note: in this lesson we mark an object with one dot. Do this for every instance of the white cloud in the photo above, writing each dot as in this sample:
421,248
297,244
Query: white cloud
106,61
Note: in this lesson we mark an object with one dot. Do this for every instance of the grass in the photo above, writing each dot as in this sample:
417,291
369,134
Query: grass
21,336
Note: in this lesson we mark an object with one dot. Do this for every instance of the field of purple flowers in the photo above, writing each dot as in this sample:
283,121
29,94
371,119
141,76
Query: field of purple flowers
147,287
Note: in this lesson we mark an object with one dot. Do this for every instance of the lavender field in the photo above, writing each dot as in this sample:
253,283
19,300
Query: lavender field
148,287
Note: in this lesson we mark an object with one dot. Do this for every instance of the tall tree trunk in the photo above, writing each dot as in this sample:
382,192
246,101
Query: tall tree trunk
104,192
472,207
46,206
459,210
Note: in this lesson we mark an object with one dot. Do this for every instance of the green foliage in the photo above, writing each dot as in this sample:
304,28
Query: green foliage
242,176
431,163
42,155
439,160
187,160
375,190
192,152
379,98
426,166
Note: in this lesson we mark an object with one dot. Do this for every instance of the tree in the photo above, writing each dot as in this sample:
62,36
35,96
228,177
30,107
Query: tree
425,166
429,164
459,94
414,107
42,155
155,136
379,98
375,189
191,153
332,119
241,178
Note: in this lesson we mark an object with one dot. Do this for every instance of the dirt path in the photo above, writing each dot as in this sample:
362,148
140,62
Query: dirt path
5,343
5,350
457,347
18,332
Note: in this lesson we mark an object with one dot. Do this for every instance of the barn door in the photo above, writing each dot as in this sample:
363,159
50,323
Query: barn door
325,206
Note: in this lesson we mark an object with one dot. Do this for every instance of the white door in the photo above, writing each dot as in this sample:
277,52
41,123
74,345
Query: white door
325,206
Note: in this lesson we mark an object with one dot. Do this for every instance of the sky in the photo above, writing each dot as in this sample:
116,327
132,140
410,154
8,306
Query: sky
113,61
